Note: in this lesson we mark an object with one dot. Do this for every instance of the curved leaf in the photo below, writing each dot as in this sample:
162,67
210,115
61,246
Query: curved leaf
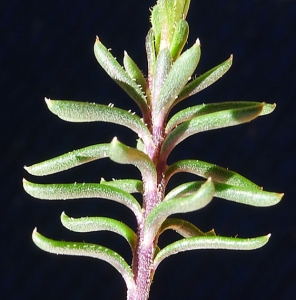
184,228
89,224
207,122
206,170
210,242
74,111
118,74
202,109
179,38
123,154
243,195
133,71
86,249
205,80
82,190
69,160
128,185
190,203
178,76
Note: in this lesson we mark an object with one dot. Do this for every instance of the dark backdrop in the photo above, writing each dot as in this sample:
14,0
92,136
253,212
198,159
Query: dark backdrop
46,49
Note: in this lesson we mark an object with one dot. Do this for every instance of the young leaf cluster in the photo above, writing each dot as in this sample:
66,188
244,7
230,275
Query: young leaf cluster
168,81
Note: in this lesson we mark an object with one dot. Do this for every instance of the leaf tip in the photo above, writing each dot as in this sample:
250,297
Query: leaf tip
114,140
197,42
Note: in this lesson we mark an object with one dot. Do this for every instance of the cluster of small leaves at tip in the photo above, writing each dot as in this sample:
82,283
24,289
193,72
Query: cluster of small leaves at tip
167,83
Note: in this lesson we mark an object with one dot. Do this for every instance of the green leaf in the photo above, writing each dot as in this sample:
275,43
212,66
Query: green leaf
89,224
179,38
74,111
123,154
207,122
178,76
203,109
82,190
86,249
162,68
184,228
210,242
239,194
69,160
133,71
118,74
177,205
151,57
205,80
128,185
206,170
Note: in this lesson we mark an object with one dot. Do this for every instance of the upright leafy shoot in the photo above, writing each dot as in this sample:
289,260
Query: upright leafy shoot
169,72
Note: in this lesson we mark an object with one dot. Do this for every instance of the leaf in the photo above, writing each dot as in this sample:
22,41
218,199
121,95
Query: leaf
82,190
86,249
69,160
183,204
209,242
205,80
74,111
118,74
128,185
184,228
151,58
203,109
162,68
178,76
207,122
123,154
243,195
133,71
179,38
89,224
206,170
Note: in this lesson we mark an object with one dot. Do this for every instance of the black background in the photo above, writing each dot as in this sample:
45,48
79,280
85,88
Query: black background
46,49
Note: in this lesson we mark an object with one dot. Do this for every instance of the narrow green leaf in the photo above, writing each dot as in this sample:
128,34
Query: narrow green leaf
184,228
69,160
210,242
179,38
128,185
133,71
206,170
89,224
177,205
123,154
74,111
205,80
156,26
239,194
178,76
151,57
162,68
203,109
118,74
86,249
82,190
207,122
